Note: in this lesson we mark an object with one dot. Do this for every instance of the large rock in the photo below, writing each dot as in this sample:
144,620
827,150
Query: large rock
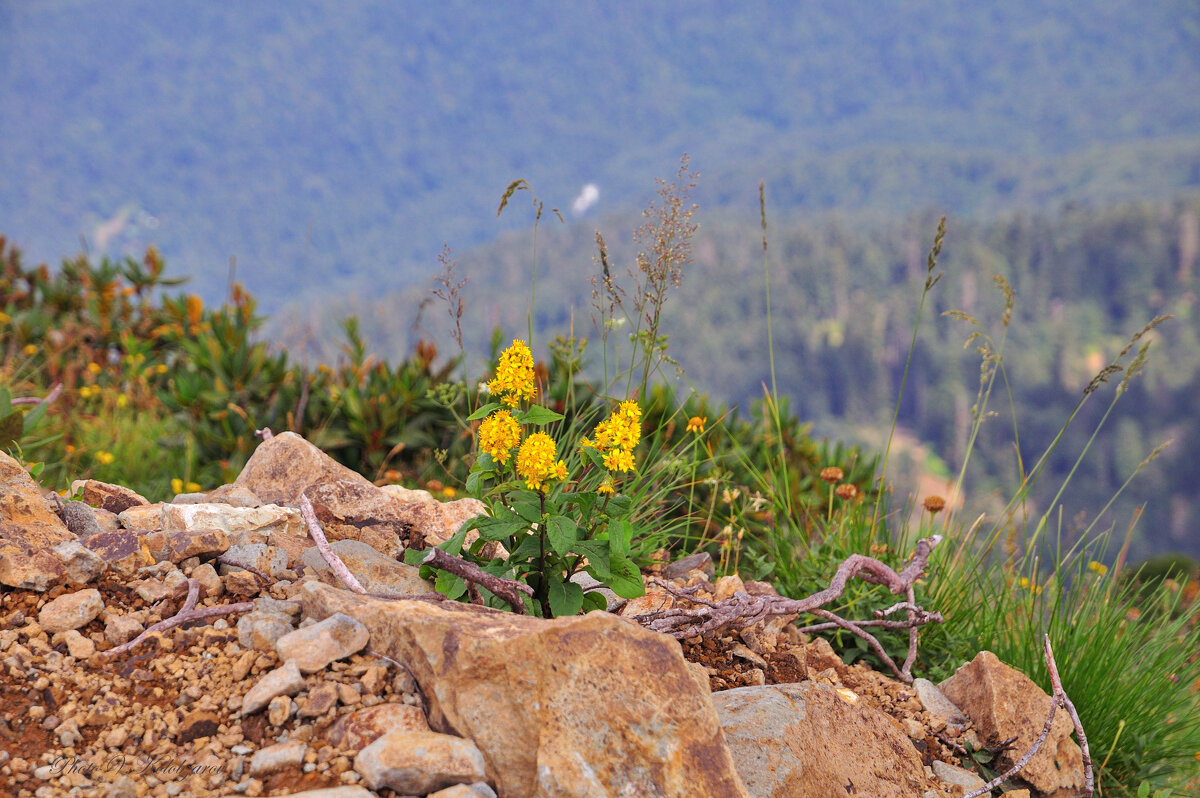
347,504
243,525
805,741
114,498
582,706
177,545
1002,702
375,572
29,531
435,521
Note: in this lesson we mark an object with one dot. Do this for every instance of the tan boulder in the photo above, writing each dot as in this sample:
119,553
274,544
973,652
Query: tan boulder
581,706
375,572
71,611
243,525
177,545
1002,703
804,741
125,550
142,517
113,498
284,466
29,531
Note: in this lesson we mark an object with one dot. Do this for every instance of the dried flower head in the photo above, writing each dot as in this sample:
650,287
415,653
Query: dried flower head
934,504
846,492
832,474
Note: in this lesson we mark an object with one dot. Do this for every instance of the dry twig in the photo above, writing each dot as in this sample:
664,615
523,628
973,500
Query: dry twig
508,589
318,536
186,614
48,399
1057,699
743,610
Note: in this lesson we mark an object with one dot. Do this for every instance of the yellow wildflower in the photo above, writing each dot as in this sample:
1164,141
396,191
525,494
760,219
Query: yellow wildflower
161,368
1098,568
514,376
696,424
95,368
176,485
122,400
105,458
606,488
192,487
499,434
536,461
449,492
619,460
30,350
4,317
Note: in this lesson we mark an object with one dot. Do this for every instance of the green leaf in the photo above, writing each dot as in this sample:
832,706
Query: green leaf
593,456
449,585
594,600
584,500
562,533
566,598
11,428
484,411
619,505
620,536
626,579
597,555
500,529
531,511
530,548
538,416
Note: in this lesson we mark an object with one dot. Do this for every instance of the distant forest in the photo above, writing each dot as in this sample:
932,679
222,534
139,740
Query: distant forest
844,295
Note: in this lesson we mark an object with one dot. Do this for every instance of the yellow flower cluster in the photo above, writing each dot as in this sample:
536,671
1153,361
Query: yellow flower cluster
514,376
179,486
499,434
696,424
617,436
105,458
537,463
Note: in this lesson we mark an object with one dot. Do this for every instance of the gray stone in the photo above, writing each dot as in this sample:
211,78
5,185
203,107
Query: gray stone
278,757
314,647
419,762
80,519
376,573
268,559
81,563
261,630
957,776
121,629
284,680
701,561
936,703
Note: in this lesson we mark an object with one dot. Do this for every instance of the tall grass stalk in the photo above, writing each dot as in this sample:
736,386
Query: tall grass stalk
931,280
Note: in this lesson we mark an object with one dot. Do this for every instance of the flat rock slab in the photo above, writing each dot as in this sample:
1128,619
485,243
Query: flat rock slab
375,572
805,741
582,706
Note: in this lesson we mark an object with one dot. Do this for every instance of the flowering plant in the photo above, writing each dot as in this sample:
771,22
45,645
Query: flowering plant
552,521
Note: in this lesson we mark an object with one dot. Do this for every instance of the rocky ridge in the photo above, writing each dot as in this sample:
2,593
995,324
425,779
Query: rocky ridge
295,686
